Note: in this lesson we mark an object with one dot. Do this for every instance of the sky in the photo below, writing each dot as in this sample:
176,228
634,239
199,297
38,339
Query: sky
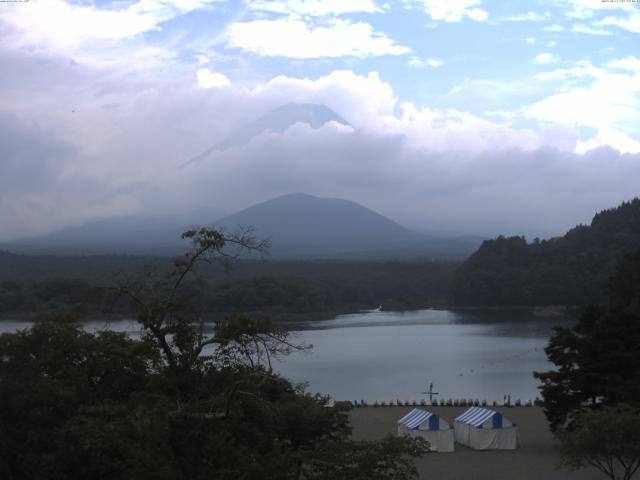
468,116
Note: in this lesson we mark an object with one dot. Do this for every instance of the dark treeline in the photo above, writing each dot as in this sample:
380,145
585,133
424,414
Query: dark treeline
35,286
569,270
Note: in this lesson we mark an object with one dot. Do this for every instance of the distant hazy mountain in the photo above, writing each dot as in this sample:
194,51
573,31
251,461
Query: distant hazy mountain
133,234
304,226
300,226
276,121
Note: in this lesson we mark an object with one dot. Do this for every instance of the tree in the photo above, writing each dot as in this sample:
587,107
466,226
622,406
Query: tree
607,439
182,402
597,360
568,270
57,381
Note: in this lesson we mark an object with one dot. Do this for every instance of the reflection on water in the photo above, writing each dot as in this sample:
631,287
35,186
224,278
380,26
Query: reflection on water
395,355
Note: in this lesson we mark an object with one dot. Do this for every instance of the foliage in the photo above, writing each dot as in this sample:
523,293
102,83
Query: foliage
597,360
388,459
569,270
607,439
57,381
282,289
179,403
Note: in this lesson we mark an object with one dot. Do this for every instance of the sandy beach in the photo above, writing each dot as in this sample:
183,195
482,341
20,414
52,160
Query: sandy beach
536,458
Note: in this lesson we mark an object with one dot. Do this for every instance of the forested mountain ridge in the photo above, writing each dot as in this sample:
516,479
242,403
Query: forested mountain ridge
569,270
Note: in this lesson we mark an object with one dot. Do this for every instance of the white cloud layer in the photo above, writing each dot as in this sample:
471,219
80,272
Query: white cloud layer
63,22
92,34
453,10
208,79
523,17
296,38
587,9
545,58
619,14
631,22
599,97
417,62
316,7
630,63
587,30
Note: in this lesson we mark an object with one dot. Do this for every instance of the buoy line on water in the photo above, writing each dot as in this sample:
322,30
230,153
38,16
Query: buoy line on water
502,360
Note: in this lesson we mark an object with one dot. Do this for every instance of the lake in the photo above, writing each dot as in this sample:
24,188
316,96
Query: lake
396,355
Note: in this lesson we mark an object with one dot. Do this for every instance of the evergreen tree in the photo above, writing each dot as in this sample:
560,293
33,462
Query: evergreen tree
597,360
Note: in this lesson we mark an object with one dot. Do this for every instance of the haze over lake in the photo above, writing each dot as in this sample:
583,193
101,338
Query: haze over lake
395,355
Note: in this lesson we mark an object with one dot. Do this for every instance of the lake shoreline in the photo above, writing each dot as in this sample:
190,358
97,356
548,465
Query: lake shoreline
286,318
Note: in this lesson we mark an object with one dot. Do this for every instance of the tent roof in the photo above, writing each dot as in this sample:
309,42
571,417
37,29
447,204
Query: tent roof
415,418
476,416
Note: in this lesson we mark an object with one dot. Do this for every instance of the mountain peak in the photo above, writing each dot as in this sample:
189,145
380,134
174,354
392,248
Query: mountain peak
299,223
276,121
314,114
306,226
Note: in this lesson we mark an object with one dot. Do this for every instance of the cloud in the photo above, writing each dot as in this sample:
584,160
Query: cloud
296,38
94,35
64,22
208,79
443,130
623,15
608,137
417,62
118,152
453,10
587,9
553,28
523,17
630,22
534,41
580,69
316,7
594,97
364,101
431,187
42,183
587,30
545,58
628,63
202,59
414,166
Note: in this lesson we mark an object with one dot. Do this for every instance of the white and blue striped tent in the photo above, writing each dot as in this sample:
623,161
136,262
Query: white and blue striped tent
484,429
429,426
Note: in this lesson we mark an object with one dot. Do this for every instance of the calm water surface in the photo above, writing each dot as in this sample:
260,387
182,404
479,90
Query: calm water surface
395,355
